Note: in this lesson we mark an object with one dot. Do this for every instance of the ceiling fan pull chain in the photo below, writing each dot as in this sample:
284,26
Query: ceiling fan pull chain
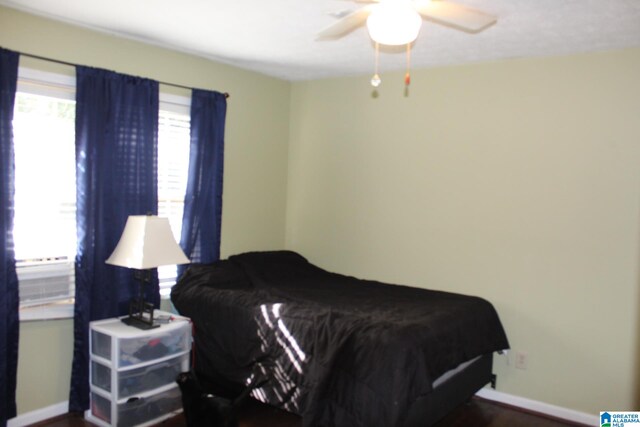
375,80
407,76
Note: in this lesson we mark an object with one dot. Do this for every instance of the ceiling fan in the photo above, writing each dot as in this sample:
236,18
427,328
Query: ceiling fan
397,22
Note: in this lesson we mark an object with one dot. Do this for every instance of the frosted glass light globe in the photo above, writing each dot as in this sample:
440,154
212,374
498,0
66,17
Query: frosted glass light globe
394,22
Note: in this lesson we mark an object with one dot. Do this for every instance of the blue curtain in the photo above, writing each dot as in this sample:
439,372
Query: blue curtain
116,173
9,297
202,218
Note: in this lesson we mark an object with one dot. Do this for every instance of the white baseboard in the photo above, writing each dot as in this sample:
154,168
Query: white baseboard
39,415
540,407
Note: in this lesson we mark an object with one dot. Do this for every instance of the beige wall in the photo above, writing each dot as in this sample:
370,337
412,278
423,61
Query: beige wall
255,161
44,364
517,181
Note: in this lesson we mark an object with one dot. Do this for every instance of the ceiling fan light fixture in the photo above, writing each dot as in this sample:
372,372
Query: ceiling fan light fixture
394,23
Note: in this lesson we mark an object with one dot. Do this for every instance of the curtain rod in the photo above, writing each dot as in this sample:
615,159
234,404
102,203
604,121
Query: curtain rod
58,61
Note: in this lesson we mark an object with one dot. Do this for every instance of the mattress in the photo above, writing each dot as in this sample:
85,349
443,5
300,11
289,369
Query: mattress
337,350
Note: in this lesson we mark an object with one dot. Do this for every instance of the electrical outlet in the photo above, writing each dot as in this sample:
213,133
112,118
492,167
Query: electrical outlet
522,360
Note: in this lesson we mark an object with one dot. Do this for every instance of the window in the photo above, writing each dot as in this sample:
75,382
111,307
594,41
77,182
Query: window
173,166
45,198
44,219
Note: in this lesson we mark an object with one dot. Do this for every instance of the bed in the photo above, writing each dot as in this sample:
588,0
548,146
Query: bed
337,350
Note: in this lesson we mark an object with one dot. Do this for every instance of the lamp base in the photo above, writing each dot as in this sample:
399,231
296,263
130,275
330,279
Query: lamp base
140,324
140,315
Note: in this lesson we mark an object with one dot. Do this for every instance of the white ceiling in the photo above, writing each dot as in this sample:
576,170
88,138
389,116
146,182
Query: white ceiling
277,37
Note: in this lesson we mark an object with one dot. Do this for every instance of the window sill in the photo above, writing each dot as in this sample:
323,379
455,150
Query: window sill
64,310
53,311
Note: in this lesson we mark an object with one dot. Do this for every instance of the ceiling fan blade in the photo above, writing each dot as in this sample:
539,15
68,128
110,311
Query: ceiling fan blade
454,15
345,25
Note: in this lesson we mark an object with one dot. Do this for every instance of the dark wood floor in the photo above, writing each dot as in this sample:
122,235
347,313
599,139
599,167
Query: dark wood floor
477,413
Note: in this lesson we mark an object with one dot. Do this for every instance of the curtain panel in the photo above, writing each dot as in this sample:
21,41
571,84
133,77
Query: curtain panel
9,296
116,173
202,217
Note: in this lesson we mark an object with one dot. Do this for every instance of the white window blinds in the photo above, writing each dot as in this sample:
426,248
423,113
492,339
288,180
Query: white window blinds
173,164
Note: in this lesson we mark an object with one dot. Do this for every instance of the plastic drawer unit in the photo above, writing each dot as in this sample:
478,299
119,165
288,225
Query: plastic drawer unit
133,372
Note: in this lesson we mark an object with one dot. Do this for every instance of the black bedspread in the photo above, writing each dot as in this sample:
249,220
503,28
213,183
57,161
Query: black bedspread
337,350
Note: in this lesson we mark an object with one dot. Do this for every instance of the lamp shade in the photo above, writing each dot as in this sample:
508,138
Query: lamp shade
394,23
147,242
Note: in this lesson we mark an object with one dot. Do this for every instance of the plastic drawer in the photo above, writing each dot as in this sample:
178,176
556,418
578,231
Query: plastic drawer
137,410
133,347
139,380
101,407
101,376
101,344
139,350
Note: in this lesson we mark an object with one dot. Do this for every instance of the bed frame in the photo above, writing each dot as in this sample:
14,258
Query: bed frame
427,410
453,392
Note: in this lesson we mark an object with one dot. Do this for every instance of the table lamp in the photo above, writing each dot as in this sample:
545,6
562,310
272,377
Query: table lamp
146,242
